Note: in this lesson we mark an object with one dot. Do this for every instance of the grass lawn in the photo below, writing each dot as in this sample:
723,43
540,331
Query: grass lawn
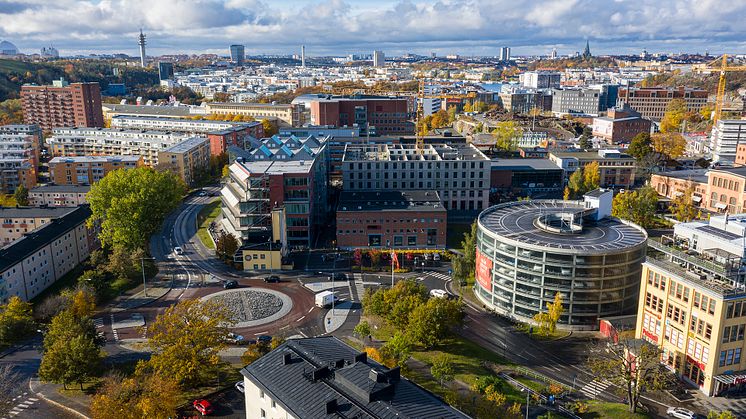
204,218
536,334
468,358
606,410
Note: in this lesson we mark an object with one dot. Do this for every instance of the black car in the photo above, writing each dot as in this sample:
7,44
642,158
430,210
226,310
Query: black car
339,276
272,278
229,284
266,339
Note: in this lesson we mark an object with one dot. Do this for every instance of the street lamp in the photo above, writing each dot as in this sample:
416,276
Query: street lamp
142,264
528,394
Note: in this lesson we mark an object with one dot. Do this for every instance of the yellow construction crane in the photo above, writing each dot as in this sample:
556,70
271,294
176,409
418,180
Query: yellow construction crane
721,65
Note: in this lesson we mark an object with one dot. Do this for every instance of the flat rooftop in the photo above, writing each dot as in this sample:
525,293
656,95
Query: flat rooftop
186,145
409,152
173,111
416,201
588,155
738,171
34,212
695,175
516,221
61,189
722,288
95,159
523,164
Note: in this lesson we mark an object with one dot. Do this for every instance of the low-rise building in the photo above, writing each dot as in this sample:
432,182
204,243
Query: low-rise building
726,188
537,178
617,169
620,125
391,219
388,115
86,170
186,159
676,183
111,110
58,195
342,380
20,220
34,262
693,302
289,114
725,138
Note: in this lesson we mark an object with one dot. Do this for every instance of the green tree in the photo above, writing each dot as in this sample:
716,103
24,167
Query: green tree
725,414
637,206
640,146
669,145
555,310
585,138
226,246
270,129
362,330
131,204
186,340
16,321
576,183
21,196
591,177
433,321
675,114
452,111
507,134
72,350
398,348
683,208
442,368
140,396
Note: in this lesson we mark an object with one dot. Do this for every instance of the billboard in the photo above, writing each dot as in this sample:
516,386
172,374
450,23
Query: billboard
484,271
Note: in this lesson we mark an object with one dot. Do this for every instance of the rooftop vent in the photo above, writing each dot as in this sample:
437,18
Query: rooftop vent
361,357
331,406
319,373
286,359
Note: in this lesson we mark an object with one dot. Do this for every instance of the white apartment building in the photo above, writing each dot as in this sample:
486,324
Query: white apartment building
540,79
58,195
724,140
172,124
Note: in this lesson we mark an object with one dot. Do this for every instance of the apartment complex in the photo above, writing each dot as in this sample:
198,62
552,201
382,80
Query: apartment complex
388,115
459,174
583,101
34,262
289,114
620,125
58,195
617,168
391,219
541,79
343,382
62,105
693,302
70,142
187,159
278,172
726,137
19,156
651,102
86,170
20,220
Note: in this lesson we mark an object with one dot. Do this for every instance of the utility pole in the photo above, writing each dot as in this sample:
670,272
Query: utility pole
142,264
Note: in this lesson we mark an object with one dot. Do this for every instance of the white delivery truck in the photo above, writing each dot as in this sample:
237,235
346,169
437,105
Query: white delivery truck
325,298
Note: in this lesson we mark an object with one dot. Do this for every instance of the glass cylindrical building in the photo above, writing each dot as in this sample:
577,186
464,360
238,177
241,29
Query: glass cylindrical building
527,251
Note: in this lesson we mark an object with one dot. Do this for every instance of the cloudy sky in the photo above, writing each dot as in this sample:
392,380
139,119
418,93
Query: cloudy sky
326,27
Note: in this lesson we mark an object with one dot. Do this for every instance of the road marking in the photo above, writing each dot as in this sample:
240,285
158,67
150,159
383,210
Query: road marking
261,333
311,309
595,387
285,327
301,318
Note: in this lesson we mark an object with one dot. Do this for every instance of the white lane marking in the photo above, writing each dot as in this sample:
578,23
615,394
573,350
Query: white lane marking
261,333
301,318
311,309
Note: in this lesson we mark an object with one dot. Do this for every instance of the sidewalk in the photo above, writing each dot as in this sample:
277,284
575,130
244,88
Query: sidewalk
77,404
136,297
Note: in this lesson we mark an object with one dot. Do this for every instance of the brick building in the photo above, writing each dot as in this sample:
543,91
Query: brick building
62,105
676,183
86,170
388,115
617,168
620,125
391,219
651,102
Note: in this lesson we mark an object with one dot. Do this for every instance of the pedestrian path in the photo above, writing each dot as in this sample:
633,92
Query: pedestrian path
595,388
22,402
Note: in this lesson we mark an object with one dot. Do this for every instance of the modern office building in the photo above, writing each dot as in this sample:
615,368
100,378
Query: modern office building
460,174
86,170
379,59
58,195
620,125
237,54
693,302
278,172
617,169
343,383
391,220
72,142
528,251
504,53
541,79
165,70
725,138
586,101
372,114
62,105
289,114
534,177
41,257
523,101
651,102
187,159
17,221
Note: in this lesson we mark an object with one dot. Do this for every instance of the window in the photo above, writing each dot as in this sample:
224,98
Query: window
411,240
261,394
262,413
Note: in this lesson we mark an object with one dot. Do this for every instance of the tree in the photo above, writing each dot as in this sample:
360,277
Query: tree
585,138
72,350
186,340
442,368
640,146
439,119
507,134
254,352
725,414
431,322
16,321
10,387
673,117
591,176
632,365
468,107
670,145
270,129
637,206
576,183
82,302
21,196
131,204
683,208
362,330
140,396
398,348
452,111
226,246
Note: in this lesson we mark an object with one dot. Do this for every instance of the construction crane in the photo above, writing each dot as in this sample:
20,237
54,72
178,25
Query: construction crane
721,65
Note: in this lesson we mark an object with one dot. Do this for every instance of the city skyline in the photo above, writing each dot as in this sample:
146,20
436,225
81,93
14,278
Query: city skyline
337,27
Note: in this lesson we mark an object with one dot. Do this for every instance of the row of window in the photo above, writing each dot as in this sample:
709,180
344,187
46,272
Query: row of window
733,333
705,303
420,185
419,175
698,351
726,183
730,357
381,220
417,165
701,328
653,302
676,314
737,309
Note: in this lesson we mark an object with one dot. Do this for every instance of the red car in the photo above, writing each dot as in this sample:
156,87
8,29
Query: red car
203,406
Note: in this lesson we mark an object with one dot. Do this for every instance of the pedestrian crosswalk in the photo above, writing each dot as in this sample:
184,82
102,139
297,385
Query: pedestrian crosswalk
23,402
439,275
98,322
595,387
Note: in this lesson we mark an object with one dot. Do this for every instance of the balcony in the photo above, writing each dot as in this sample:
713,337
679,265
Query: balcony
727,267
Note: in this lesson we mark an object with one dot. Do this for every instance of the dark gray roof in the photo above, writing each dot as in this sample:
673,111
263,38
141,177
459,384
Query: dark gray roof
418,201
696,175
61,189
308,376
738,171
523,164
596,193
35,240
33,212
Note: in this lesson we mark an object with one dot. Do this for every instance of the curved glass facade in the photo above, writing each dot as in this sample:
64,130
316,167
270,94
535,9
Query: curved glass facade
518,279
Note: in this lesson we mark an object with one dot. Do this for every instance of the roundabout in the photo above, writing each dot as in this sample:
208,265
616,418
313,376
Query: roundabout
253,306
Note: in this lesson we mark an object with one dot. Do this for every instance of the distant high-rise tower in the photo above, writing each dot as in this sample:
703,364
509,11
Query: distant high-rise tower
554,53
379,59
165,70
587,52
141,42
237,54
505,54
303,56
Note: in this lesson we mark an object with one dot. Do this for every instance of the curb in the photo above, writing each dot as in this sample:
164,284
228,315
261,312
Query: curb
52,402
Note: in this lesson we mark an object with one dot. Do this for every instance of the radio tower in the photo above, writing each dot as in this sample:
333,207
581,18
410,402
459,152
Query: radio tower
141,42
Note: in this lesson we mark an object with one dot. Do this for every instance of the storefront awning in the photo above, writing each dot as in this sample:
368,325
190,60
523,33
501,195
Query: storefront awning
731,378
696,198
678,193
721,205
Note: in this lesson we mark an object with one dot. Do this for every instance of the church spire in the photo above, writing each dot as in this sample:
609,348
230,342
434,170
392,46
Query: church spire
587,52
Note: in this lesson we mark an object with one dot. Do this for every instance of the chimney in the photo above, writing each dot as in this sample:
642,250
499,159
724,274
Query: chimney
286,359
361,357
331,406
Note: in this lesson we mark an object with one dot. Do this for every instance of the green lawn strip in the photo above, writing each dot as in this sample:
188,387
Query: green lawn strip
532,384
468,358
204,218
607,410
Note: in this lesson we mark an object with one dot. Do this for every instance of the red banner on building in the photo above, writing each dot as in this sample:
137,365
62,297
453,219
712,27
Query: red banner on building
484,271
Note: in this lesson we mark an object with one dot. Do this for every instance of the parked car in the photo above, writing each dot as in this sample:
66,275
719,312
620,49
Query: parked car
239,386
338,276
681,413
202,193
178,250
436,257
235,338
229,284
265,339
203,406
272,278
438,293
